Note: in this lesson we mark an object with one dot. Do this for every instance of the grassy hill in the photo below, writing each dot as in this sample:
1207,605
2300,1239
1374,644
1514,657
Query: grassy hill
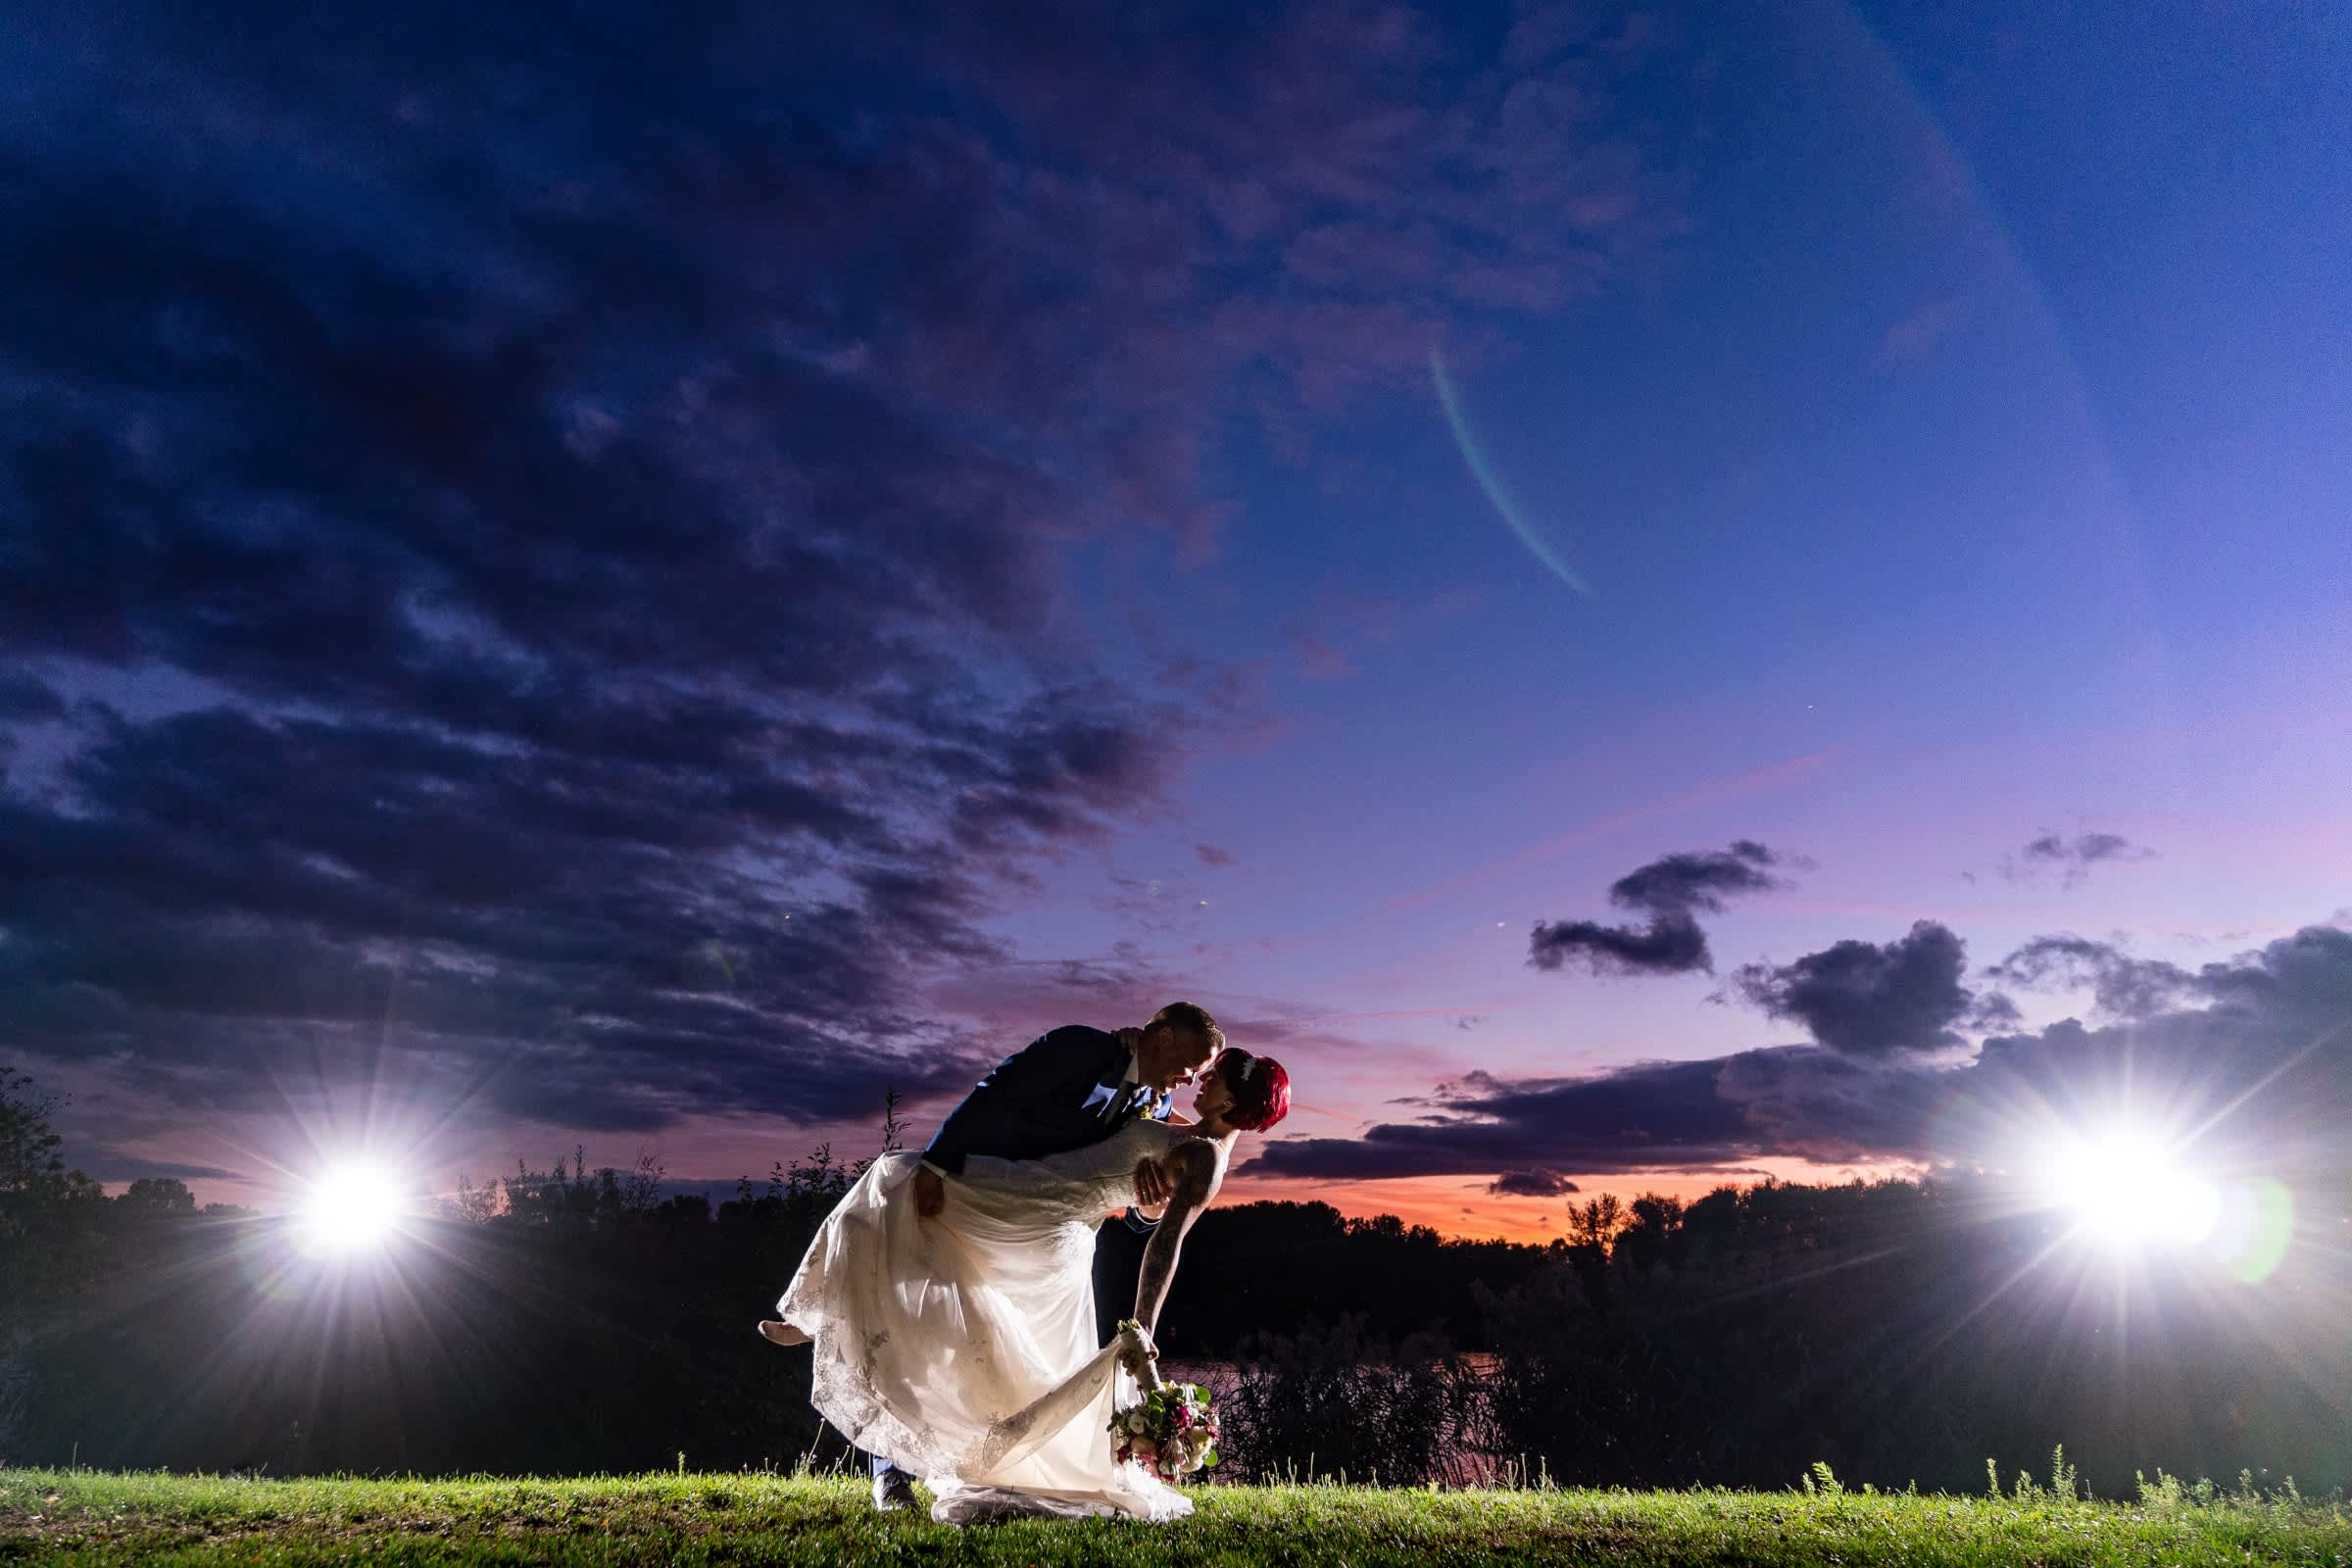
89,1517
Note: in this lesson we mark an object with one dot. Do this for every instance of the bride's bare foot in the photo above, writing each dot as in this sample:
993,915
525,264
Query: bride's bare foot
781,1333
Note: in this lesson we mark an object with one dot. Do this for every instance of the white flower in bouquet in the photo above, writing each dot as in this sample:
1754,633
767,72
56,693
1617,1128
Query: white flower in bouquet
1172,1432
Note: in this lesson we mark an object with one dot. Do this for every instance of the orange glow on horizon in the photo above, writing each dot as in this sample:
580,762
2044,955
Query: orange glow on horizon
1459,1207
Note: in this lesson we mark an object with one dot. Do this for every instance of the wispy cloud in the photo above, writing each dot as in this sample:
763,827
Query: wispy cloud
1916,335
1328,633
2072,859
1762,778
2121,986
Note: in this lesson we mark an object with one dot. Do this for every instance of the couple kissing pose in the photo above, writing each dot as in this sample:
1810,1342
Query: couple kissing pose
950,1299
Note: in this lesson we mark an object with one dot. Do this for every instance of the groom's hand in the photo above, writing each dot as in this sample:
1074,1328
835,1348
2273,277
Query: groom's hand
1152,1186
929,1195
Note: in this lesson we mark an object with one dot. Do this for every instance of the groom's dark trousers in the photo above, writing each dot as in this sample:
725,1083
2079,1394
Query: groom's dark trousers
1062,1091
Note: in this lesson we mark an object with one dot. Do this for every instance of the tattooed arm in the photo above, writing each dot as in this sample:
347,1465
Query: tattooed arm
1195,1177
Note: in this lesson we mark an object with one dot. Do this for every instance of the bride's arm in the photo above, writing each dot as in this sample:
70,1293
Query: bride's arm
1155,1185
1193,1172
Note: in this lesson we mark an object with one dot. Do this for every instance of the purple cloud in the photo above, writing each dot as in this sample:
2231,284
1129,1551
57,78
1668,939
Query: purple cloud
1868,998
1531,1184
2123,987
1672,889
2073,858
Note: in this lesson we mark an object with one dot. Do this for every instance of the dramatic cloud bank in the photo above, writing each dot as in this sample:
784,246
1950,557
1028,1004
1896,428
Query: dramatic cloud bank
532,569
2253,1066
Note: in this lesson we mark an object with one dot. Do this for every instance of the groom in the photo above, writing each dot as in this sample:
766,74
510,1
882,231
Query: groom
1068,1088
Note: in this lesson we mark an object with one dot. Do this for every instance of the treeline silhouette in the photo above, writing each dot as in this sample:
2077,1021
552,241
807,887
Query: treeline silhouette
575,1319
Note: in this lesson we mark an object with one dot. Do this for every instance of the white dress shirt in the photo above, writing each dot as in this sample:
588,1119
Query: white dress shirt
1127,1085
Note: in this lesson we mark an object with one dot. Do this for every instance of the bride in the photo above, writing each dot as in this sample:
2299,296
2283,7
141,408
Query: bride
961,1348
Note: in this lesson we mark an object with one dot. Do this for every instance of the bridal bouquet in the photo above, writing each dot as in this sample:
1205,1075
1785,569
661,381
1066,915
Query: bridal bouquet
1173,1432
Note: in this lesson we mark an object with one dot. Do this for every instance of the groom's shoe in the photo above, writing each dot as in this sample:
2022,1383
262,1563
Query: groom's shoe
893,1489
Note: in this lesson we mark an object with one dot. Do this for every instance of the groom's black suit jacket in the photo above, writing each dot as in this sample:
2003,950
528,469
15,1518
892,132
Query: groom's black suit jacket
1058,1093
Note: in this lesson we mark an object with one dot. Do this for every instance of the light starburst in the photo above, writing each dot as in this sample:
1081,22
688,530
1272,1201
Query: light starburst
353,1208
2129,1190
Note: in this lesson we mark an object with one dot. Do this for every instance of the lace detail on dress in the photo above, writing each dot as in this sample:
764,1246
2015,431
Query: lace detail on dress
961,1348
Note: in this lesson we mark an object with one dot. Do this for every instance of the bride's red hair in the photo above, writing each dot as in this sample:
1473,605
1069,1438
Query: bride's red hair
1261,1089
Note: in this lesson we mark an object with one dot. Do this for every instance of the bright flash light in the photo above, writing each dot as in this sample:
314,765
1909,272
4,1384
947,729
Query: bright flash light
352,1210
2131,1190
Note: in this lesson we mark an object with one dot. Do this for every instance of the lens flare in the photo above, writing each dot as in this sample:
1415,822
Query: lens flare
1483,471
2262,1221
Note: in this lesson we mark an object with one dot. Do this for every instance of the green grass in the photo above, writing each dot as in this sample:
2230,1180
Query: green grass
92,1517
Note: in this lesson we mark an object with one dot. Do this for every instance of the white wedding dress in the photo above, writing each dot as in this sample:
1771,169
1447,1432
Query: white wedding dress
963,1348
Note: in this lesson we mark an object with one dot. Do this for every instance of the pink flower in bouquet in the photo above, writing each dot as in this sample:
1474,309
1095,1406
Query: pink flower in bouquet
1171,1433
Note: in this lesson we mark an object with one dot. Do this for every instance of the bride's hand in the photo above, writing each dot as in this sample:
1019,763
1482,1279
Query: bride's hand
1151,1185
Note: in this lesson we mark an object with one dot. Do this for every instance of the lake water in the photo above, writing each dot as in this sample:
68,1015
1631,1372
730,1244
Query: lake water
1470,1465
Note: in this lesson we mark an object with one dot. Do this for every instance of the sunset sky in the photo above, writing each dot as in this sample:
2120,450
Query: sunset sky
1644,596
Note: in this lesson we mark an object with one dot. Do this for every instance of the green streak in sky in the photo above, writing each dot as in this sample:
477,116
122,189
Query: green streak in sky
1483,471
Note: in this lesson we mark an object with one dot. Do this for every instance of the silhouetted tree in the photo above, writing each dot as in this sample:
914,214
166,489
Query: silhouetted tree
160,1196
46,1212
573,1320
1653,1229
1593,1224
28,1160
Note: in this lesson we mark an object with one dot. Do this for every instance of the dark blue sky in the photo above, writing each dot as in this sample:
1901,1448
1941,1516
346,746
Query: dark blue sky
637,581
